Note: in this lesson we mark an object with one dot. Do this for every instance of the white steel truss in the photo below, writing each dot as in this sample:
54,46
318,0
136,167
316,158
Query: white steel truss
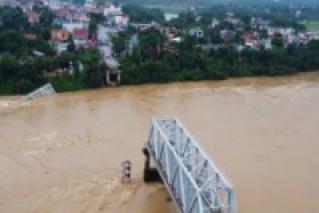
45,90
192,180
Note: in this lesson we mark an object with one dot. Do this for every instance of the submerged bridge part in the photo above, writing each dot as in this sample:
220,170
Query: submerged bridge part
45,90
191,178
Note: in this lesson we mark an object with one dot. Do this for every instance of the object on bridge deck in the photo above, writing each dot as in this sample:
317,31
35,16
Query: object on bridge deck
126,171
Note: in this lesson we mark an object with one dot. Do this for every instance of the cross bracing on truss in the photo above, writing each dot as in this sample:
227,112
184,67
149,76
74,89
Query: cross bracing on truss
192,179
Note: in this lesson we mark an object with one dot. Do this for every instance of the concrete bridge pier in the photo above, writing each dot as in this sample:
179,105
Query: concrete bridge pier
112,77
150,174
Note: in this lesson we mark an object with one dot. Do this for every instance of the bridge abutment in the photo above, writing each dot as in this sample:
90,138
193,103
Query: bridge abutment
150,174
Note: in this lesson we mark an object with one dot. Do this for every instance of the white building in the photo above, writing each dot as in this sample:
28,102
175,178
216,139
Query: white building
267,44
197,32
89,5
70,27
121,20
61,47
215,22
315,36
111,9
282,31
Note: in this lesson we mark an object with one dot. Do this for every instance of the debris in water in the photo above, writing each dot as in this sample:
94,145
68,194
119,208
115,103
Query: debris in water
126,171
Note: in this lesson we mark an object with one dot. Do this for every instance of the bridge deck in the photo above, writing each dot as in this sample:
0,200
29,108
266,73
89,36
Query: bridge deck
192,180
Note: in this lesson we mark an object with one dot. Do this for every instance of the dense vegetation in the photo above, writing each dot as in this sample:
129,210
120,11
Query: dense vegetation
149,63
152,58
205,3
143,15
22,69
156,60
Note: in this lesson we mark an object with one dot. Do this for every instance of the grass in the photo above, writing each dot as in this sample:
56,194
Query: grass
312,25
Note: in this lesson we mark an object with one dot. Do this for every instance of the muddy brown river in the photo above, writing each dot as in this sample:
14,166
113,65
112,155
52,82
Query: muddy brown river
63,153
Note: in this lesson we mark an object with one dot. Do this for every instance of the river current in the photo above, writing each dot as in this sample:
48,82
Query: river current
64,153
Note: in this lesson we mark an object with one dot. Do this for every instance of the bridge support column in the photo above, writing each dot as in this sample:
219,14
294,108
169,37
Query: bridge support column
150,174
113,77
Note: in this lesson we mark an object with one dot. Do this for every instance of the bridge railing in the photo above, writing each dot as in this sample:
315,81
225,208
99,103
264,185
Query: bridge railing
193,181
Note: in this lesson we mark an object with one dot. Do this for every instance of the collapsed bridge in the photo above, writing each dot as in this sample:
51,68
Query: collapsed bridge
193,181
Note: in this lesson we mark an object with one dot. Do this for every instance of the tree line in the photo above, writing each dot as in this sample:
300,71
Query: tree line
152,62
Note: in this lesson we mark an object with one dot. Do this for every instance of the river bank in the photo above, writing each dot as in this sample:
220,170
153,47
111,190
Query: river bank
63,153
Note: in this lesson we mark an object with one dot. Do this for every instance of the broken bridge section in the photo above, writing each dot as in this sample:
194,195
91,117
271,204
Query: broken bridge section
45,90
191,178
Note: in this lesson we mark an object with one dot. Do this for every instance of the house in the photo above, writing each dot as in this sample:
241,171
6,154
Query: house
61,47
92,42
303,37
59,38
298,13
111,9
133,43
169,32
80,17
234,21
71,27
177,39
38,53
61,16
239,48
80,37
253,22
264,25
10,3
142,26
267,44
215,23
59,35
272,31
315,36
227,34
251,40
33,17
170,16
121,20
90,5
289,39
230,14
196,32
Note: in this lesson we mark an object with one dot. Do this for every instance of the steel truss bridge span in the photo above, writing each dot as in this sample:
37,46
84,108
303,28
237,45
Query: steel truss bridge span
193,181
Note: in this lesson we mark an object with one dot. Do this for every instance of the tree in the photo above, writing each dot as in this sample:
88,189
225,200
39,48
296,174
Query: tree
46,16
214,36
185,20
9,66
14,18
71,46
143,15
119,41
151,43
278,42
92,28
93,69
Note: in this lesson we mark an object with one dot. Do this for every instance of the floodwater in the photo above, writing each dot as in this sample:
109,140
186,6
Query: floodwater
63,153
